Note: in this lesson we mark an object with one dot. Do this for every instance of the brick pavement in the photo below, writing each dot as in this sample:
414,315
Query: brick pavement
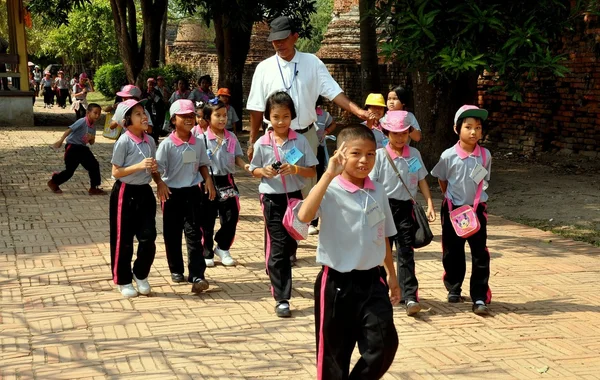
60,317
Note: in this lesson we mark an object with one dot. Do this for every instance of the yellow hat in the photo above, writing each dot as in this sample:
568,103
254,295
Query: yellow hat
375,100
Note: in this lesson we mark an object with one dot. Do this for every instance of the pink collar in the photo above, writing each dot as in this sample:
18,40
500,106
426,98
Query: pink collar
212,136
265,139
87,121
178,142
464,154
352,188
319,111
405,151
136,139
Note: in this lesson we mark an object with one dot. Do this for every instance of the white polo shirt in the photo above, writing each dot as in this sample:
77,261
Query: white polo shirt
347,241
411,171
455,166
304,78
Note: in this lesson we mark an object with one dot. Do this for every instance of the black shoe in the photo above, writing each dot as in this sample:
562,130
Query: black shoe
199,285
177,277
454,298
481,309
282,310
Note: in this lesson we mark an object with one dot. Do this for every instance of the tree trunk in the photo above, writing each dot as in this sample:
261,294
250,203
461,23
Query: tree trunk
434,108
152,16
233,43
369,62
162,55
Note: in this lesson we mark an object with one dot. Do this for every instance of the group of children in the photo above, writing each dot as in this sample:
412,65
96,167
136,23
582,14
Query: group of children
364,198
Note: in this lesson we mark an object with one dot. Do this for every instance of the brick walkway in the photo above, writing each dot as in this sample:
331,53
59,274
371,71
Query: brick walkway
60,317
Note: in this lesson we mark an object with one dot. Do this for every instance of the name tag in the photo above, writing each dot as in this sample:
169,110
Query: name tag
189,156
478,173
293,156
414,165
384,142
374,214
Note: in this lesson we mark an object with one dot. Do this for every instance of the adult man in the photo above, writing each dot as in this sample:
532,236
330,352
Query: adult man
155,106
303,76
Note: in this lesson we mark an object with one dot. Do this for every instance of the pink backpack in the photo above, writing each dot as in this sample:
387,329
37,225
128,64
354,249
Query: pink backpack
293,225
464,219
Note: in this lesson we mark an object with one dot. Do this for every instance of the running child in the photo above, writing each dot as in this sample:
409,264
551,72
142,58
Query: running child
282,159
407,162
353,299
463,173
132,202
375,104
225,153
396,101
183,163
78,136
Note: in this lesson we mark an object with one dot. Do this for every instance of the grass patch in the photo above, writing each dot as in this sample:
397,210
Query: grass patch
97,97
588,233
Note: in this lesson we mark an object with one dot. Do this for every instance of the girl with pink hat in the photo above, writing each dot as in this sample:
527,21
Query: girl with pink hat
80,91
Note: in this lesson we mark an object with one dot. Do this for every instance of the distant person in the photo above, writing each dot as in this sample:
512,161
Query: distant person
48,87
63,89
80,91
37,77
182,92
3,50
155,106
203,92
165,91
232,118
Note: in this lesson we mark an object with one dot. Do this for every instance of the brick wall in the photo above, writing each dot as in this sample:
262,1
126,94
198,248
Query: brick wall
558,115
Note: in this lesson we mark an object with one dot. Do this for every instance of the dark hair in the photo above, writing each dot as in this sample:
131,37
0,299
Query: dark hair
319,101
402,94
185,83
206,78
387,133
127,116
280,98
91,106
460,122
355,132
209,108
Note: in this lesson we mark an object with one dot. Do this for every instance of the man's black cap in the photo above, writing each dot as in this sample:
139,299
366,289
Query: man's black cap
281,28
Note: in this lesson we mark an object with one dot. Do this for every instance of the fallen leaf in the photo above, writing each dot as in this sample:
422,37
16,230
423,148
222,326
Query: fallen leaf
543,369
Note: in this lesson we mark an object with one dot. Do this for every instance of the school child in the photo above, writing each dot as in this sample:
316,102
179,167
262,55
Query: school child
78,136
182,92
127,92
47,85
282,174
375,103
132,202
325,126
232,118
202,93
408,163
63,89
463,172
352,304
396,101
225,153
183,163
201,124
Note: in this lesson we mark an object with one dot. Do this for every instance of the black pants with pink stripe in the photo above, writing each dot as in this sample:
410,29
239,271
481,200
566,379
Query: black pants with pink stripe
279,245
132,213
229,214
182,213
353,308
76,155
402,211
454,256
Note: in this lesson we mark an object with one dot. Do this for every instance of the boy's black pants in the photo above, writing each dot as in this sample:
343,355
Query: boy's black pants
404,219
320,170
454,256
132,212
74,155
62,97
48,95
229,214
182,212
352,308
279,245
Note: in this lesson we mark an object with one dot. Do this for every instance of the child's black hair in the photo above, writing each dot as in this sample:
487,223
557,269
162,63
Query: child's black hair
387,133
280,98
209,108
91,107
127,116
402,94
186,84
355,132
205,77
319,101
460,122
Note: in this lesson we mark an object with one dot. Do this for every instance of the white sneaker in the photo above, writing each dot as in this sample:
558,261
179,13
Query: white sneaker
225,257
127,291
209,262
142,285
312,230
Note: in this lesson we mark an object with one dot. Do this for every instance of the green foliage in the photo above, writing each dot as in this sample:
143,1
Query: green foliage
88,37
319,20
171,73
448,38
109,79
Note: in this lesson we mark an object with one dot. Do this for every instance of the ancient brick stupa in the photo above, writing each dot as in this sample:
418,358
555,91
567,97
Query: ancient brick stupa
342,39
260,48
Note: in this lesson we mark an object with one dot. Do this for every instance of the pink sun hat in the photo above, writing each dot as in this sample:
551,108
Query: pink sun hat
125,106
130,91
470,111
182,107
396,121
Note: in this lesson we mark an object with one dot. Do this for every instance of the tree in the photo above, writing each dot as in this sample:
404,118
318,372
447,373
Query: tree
233,29
320,21
137,54
369,60
446,44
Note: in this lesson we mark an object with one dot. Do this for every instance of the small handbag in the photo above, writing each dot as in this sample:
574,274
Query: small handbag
223,192
464,219
111,134
293,225
423,234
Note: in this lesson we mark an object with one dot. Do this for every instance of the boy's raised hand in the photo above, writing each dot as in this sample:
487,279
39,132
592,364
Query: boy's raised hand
337,162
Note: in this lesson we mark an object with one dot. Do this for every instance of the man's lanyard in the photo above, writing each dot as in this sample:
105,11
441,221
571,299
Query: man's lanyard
294,74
